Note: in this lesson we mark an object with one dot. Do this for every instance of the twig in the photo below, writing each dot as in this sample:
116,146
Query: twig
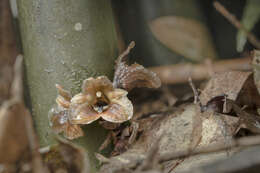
234,21
195,92
241,142
126,52
38,166
106,142
132,138
17,85
102,158
179,73
151,159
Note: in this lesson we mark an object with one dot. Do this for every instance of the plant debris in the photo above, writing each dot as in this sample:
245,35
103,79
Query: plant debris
135,75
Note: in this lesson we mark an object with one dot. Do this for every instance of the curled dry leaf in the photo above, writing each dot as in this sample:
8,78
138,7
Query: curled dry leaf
66,157
240,90
238,86
13,138
247,120
135,75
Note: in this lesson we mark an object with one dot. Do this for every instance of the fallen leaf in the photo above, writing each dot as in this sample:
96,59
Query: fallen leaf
247,120
13,137
196,134
133,76
229,83
184,36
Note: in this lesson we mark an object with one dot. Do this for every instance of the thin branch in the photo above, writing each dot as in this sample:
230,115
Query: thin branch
241,142
195,92
179,73
126,52
234,21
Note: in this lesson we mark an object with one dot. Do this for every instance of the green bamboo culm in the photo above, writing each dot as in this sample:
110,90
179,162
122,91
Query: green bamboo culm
65,42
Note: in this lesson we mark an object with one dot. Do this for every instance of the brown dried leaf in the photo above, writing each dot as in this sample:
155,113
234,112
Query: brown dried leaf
185,36
135,75
67,157
249,121
13,137
229,83
196,134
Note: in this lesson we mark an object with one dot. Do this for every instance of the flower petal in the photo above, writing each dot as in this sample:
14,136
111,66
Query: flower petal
62,92
83,114
73,131
79,99
61,101
120,110
116,94
58,119
59,122
91,86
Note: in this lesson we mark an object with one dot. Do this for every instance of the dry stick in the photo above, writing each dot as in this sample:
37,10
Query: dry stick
233,20
241,142
151,158
195,92
179,73
127,51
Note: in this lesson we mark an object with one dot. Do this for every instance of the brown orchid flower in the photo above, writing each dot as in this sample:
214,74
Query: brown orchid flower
98,99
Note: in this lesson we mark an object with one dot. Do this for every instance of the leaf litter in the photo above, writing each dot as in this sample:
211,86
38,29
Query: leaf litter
166,138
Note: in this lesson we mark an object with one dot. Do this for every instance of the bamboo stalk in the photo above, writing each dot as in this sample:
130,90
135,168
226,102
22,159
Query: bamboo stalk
65,42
